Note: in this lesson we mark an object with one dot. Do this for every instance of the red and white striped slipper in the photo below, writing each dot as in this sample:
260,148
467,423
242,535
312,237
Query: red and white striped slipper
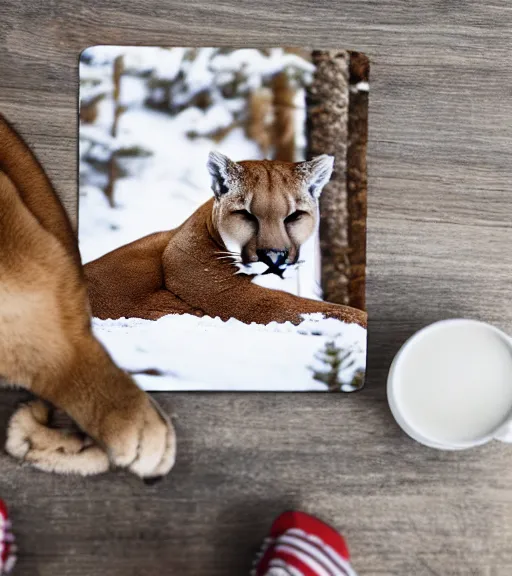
7,547
302,545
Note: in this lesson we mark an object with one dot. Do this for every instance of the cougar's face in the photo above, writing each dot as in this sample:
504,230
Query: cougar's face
265,210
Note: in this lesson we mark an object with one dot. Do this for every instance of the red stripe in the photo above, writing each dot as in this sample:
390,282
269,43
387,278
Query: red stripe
310,525
262,566
292,560
4,546
331,561
3,510
332,556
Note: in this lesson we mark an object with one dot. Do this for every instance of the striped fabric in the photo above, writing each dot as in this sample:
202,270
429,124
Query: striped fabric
7,547
302,545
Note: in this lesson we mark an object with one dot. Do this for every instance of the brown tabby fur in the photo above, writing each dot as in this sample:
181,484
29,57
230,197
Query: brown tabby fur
46,344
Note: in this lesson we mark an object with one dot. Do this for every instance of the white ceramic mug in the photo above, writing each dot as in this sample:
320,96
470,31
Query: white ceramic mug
434,343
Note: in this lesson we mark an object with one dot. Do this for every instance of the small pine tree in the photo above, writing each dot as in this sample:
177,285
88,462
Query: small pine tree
334,359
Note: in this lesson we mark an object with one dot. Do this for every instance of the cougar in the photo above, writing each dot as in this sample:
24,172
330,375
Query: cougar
260,215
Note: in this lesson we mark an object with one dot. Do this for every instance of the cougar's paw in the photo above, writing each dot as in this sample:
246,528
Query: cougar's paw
142,441
30,439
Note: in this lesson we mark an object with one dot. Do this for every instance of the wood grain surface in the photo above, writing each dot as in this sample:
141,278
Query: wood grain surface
439,245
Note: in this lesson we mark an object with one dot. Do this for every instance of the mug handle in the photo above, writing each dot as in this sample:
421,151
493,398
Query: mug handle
504,434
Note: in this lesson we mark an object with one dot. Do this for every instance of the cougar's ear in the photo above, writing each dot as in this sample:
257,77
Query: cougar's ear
318,172
222,170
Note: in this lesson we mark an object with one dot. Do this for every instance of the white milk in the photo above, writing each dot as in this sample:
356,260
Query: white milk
453,383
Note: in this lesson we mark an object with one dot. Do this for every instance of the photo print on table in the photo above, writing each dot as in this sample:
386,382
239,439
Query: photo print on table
222,214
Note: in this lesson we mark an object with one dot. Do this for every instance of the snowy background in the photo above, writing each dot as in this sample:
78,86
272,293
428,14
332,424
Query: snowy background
149,118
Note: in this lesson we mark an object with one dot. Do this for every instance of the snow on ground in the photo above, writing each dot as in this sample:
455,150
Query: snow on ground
208,354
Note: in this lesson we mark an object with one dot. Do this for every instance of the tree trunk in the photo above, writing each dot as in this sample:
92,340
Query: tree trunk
257,126
327,124
357,183
284,118
113,168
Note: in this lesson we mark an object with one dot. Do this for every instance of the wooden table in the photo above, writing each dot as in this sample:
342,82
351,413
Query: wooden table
440,213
